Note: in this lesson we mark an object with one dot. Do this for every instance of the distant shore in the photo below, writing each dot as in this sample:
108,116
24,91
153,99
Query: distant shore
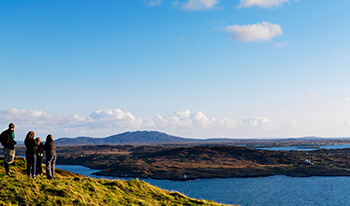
206,162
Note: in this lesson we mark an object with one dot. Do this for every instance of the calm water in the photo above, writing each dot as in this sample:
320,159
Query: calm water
269,191
344,146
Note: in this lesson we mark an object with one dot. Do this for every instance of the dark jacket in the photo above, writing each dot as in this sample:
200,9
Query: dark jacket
50,148
40,150
6,139
31,146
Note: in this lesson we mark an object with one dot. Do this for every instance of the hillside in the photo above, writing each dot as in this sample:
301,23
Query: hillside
138,137
73,189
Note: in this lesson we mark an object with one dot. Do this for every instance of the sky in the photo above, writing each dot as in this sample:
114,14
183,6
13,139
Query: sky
189,68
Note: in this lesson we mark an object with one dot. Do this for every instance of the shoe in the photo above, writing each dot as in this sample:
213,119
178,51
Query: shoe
34,176
9,174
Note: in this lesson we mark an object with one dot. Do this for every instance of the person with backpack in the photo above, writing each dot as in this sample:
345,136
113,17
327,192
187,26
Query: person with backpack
50,152
7,139
31,145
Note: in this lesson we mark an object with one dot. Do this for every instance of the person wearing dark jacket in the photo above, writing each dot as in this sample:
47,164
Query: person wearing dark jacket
50,151
39,157
7,138
31,146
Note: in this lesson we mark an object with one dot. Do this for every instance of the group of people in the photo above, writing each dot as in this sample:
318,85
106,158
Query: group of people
34,152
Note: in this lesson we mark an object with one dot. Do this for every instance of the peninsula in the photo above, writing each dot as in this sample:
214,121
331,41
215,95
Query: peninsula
184,163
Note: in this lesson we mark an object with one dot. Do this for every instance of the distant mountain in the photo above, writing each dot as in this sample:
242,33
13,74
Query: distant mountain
155,137
138,137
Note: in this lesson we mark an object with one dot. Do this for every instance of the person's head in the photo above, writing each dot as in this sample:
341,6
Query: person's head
49,138
12,127
30,135
38,140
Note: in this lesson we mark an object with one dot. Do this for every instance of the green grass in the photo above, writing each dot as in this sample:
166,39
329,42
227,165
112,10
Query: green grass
72,189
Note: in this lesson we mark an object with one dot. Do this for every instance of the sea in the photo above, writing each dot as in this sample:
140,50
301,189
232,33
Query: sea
260,191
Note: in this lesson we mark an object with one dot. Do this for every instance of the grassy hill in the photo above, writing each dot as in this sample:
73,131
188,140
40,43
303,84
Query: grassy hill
73,189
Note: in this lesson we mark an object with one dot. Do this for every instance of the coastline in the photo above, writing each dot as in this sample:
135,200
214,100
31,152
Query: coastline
102,173
182,164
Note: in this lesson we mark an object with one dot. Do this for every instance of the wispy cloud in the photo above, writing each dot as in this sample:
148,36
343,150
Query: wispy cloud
254,32
196,4
312,94
152,3
261,3
337,51
282,44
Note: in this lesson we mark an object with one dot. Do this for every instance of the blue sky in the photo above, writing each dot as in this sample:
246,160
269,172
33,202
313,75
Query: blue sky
191,68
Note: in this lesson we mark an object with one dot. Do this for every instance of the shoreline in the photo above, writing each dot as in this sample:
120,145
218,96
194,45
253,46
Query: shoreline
101,173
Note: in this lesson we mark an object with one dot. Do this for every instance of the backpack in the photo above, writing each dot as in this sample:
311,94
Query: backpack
4,138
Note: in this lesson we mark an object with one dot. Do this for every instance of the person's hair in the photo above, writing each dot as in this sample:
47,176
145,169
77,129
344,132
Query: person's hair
30,135
11,125
38,140
49,138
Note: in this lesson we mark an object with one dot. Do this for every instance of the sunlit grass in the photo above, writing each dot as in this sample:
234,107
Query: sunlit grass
72,189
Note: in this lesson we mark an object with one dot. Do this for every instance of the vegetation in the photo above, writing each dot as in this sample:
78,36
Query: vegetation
185,163
73,189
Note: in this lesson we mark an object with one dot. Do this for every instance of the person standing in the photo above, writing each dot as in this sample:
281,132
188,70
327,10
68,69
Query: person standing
31,146
39,157
50,152
7,138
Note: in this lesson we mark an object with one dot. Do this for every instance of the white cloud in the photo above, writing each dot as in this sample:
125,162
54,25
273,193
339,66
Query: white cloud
196,4
153,2
261,3
256,122
184,119
254,32
110,118
26,116
105,122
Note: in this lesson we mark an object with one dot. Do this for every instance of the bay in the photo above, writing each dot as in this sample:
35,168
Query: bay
261,191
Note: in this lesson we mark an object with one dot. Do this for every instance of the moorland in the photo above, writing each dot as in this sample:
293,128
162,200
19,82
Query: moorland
180,162
152,154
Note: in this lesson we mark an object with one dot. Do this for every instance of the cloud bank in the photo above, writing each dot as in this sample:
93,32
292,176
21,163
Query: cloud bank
105,122
254,32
